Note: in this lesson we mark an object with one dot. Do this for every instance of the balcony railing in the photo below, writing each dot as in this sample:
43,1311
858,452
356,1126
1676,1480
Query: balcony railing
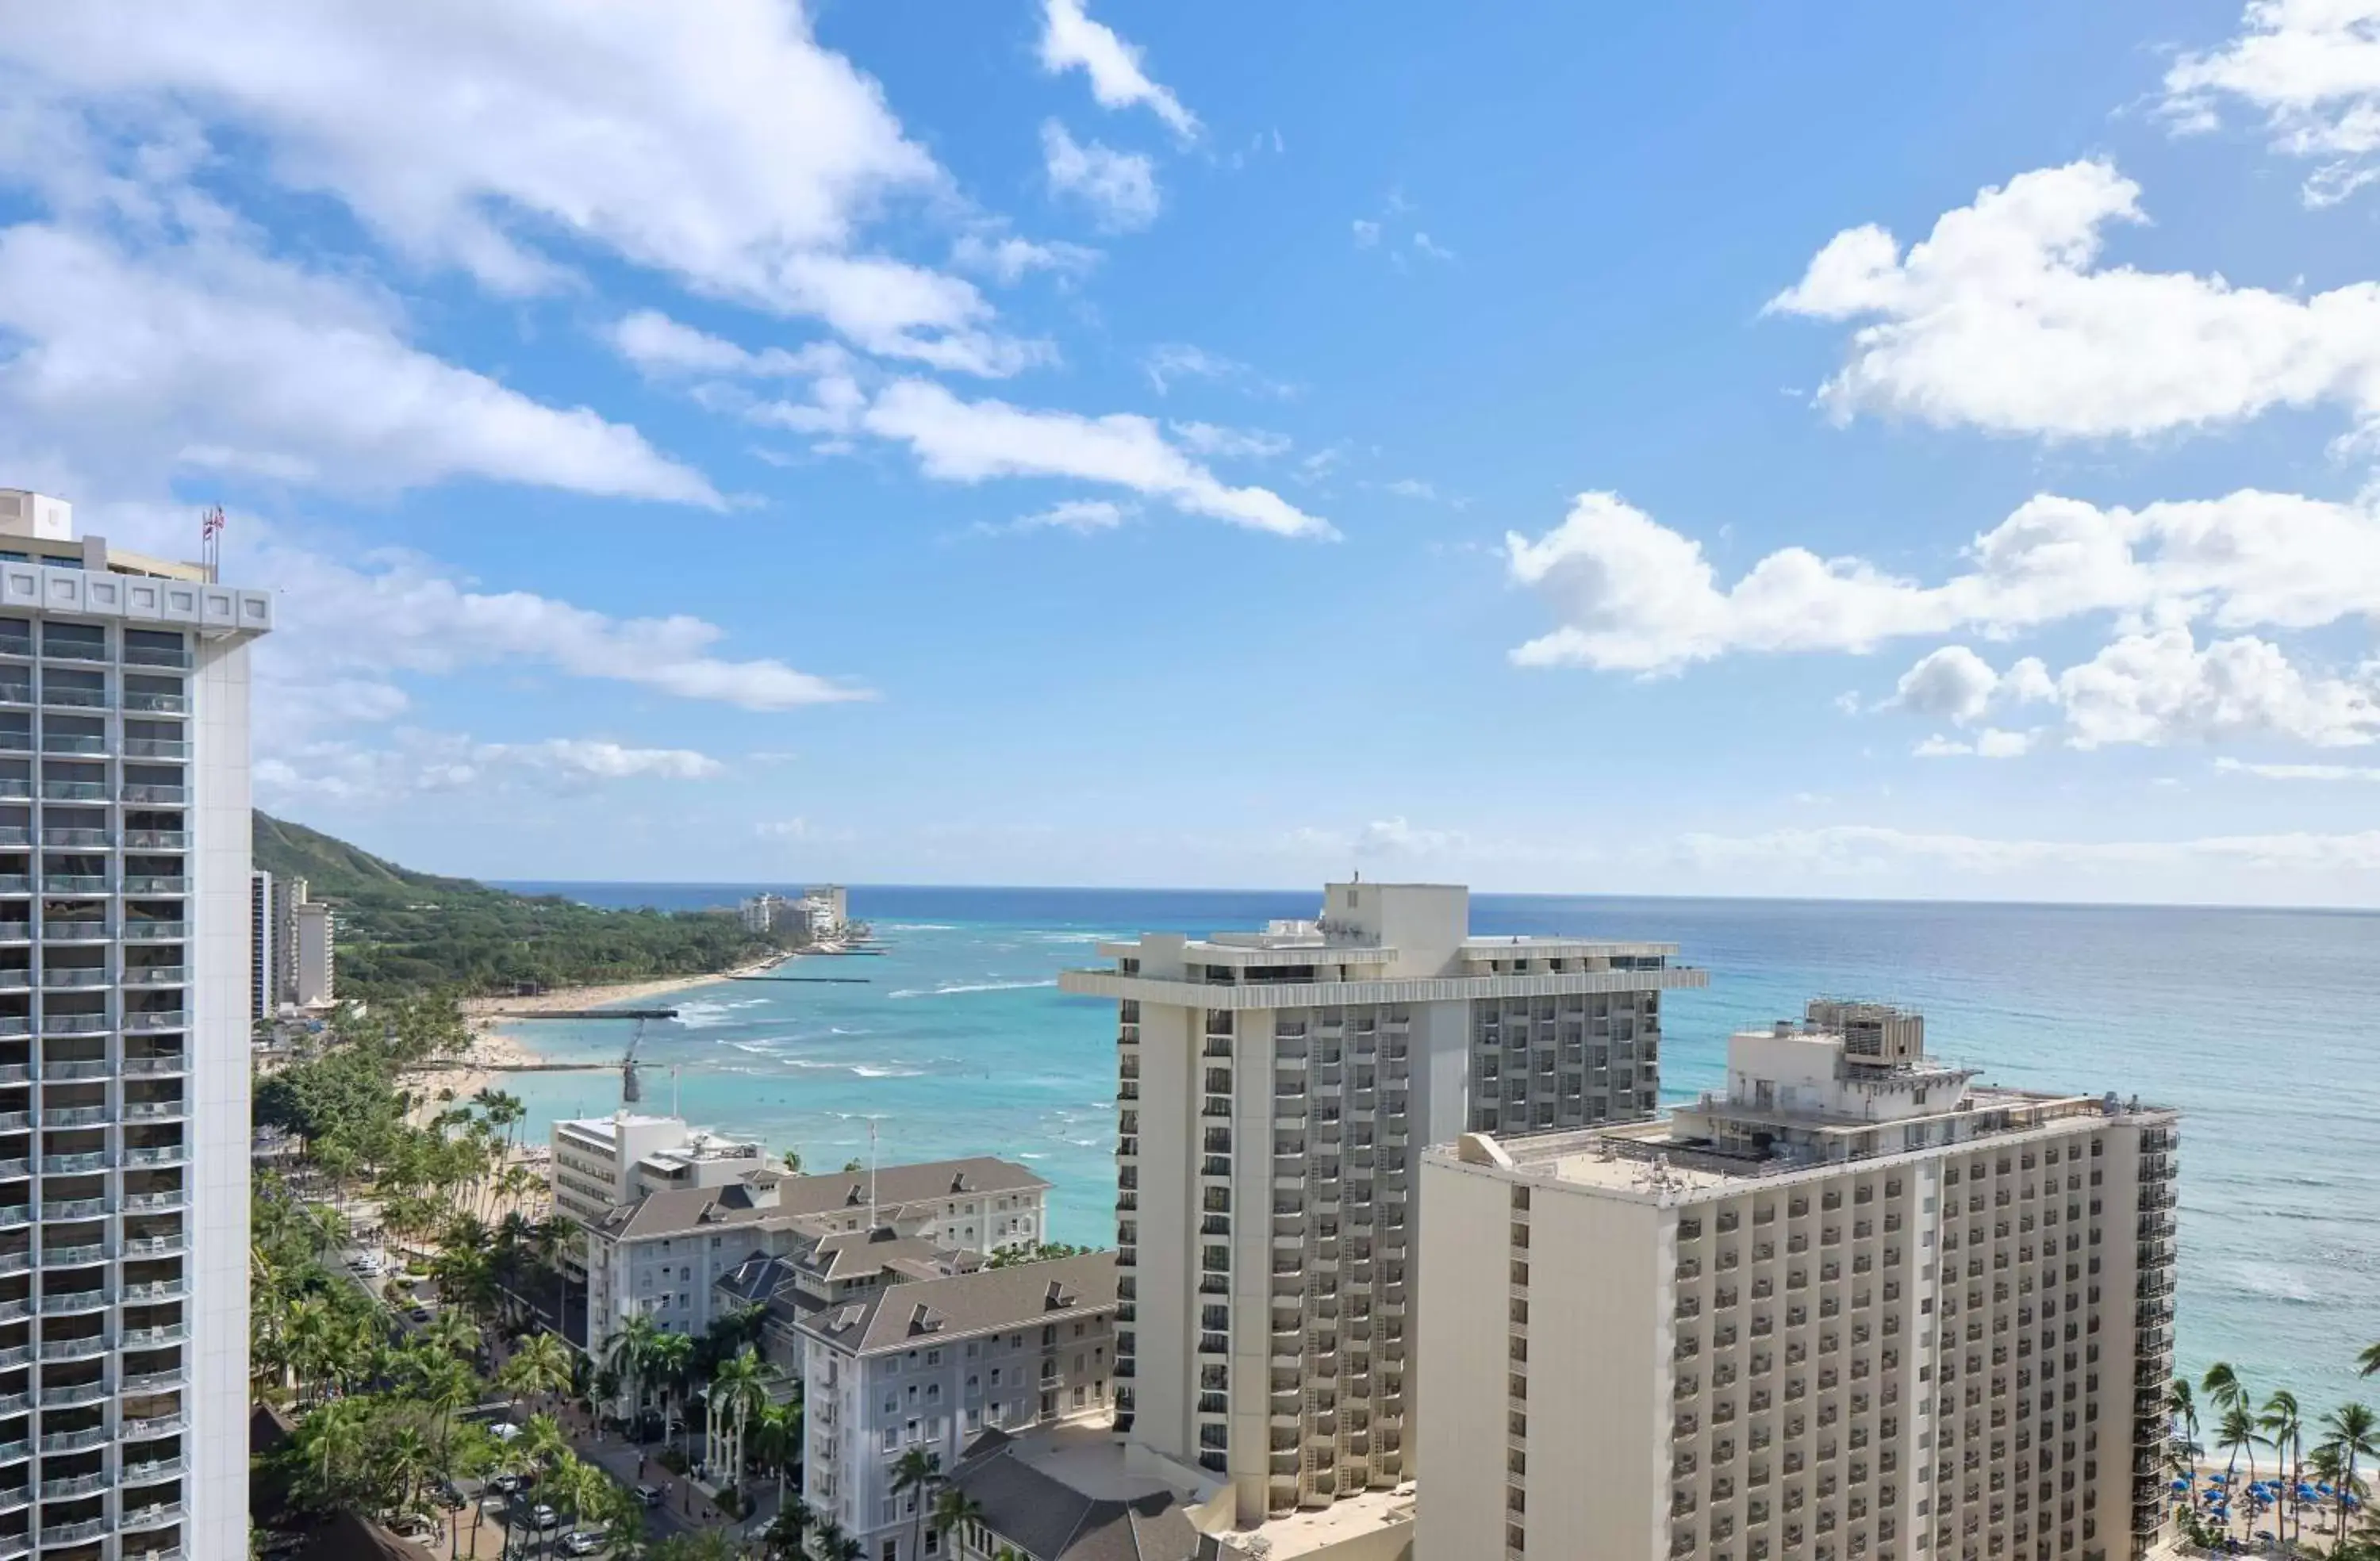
152,1111
73,742
74,1165
77,791
72,1300
74,1023
76,976
156,975
144,930
163,703
157,840
154,656
151,883
75,1441
69,696
74,1533
155,748
164,1018
76,1067
143,791
157,1155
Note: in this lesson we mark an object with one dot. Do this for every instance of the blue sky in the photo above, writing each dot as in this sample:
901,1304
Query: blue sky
1720,450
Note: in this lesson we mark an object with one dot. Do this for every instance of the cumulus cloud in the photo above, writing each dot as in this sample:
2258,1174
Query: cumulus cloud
660,346
420,762
1952,682
718,144
205,354
2312,70
1632,594
2004,319
1084,517
958,441
1119,186
1071,40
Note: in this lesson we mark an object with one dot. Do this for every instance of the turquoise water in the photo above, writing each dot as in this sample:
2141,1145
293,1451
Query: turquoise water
2258,1024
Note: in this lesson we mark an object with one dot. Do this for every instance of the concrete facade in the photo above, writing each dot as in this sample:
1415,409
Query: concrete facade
1276,1090
126,968
1845,1309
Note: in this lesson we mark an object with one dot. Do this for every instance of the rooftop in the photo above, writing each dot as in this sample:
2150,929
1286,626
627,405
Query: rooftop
1062,1492
901,1316
767,1195
1309,1529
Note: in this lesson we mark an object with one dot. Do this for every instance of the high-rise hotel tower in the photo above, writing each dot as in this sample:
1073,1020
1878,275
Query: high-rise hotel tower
125,973
1853,1307
1277,1088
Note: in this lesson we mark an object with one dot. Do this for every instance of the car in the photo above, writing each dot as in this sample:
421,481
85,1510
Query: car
419,1313
504,1431
650,1495
583,1542
543,1516
507,1484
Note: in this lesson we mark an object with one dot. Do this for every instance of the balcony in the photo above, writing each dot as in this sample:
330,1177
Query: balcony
144,930
152,883
157,1155
74,1348
84,838
169,1198
76,929
153,656
73,742
77,791
75,1024
74,1209
156,1469
76,1441
172,796
76,1067
139,1430
155,748
158,704
145,1338
155,1063
154,1290
80,1256
156,975
75,1165
73,1485
15,1214
164,1019
74,1116
74,1301
75,1393
157,840
149,1382
153,1110
74,1533
154,1246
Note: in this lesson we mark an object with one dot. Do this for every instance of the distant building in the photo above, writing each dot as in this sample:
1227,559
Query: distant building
827,910
663,1256
765,912
600,1163
263,979
316,981
1856,1306
933,1363
1063,1493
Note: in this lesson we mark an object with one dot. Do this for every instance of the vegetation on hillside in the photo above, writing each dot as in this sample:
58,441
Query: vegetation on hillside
402,931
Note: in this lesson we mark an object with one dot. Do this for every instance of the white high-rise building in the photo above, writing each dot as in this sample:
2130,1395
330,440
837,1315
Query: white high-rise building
1277,1088
126,963
314,979
1855,1306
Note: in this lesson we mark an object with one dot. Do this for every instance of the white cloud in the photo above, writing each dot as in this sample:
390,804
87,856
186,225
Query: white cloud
1214,439
1367,234
2300,772
2311,68
959,441
1424,245
1991,743
1010,260
1170,362
1632,594
1070,39
660,346
1386,838
1953,682
717,144
2003,320
1411,488
208,354
420,762
2154,688
1120,186
1853,850
1082,516
800,831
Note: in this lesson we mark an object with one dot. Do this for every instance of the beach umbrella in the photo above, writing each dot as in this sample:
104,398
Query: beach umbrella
2181,1484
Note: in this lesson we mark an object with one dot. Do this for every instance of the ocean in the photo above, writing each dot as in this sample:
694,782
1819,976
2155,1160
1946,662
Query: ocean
2256,1022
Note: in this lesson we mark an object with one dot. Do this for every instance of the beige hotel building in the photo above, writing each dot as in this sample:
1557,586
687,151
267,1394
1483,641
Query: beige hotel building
1856,1308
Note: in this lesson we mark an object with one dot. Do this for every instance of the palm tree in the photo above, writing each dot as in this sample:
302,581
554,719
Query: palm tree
2369,1361
2182,1407
826,1539
792,1158
2223,1386
2238,1433
913,1476
2355,1432
956,1509
777,1441
739,1389
2284,1432
542,1365
404,1458
782,1541
667,1362
628,1354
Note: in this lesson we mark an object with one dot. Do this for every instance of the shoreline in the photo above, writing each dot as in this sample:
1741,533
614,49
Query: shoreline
497,1048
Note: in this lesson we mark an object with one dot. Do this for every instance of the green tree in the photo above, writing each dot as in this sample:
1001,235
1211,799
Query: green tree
2355,1433
739,1390
954,1509
2284,1432
782,1541
914,1476
2236,1433
542,1367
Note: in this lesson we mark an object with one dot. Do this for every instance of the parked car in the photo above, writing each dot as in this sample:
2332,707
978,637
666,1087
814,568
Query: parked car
507,1484
650,1495
583,1542
504,1431
543,1516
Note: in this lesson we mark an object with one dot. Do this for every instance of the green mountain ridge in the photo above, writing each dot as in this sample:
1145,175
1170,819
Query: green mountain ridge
401,932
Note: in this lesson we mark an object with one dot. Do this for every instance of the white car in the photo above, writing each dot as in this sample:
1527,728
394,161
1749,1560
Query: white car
583,1542
504,1431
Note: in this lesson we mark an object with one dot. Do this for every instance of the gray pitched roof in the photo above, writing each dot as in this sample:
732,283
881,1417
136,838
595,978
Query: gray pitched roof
985,1302
1053,1521
766,1196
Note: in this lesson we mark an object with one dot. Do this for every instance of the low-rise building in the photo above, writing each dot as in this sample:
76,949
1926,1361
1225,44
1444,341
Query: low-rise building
1854,1305
663,1256
931,1364
1055,1494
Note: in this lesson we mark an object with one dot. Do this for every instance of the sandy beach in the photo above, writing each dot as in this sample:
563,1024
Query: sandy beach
496,1050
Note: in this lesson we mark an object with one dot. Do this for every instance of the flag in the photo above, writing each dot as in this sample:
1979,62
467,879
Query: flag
213,524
